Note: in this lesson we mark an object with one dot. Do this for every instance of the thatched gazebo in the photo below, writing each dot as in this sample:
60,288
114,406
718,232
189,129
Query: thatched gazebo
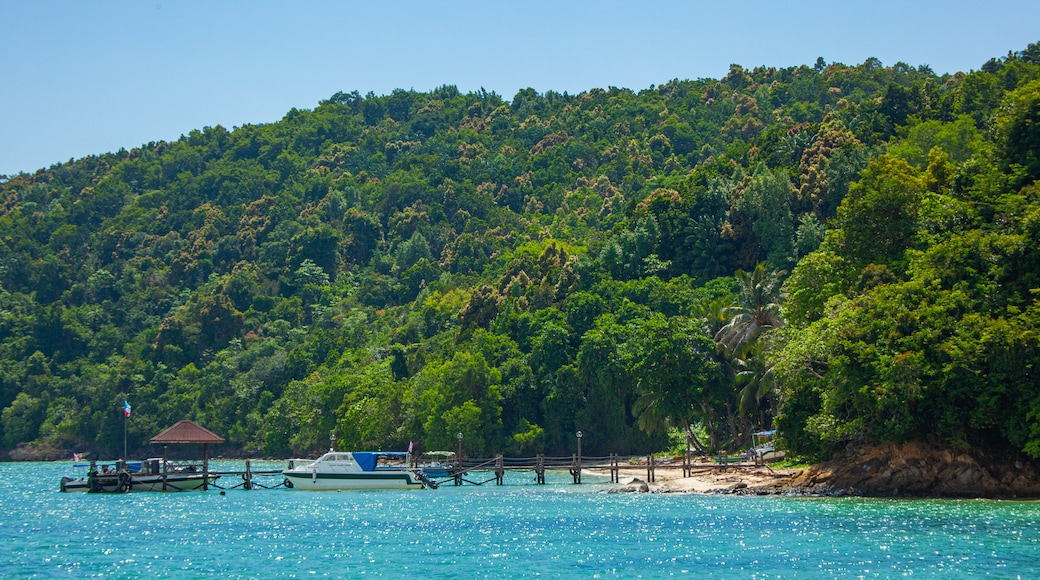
188,432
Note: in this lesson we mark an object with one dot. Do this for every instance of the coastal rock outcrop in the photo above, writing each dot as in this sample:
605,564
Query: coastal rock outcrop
917,469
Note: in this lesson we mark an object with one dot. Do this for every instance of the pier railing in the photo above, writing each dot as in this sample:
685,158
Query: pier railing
465,470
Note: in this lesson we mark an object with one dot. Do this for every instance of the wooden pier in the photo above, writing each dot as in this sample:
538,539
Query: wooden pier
458,469
465,470
479,471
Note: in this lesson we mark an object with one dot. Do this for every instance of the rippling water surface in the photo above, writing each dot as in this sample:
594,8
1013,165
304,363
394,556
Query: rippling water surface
520,529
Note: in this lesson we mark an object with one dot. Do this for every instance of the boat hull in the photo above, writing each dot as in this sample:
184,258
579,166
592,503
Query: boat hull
106,484
436,471
349,481
173,482
101,484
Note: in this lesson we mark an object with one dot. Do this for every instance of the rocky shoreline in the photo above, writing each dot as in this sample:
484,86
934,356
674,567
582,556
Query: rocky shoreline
917,469
889,470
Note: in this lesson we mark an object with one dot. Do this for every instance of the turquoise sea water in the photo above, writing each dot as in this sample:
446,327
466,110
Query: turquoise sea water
521,529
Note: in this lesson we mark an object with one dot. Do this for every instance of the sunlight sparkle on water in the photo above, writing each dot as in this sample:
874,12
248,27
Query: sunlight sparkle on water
557,530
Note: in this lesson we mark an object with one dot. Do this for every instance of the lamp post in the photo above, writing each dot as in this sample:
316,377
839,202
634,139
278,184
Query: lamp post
458,462
579,457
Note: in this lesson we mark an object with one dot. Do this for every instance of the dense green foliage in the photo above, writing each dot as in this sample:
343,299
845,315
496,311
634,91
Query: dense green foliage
412,266
917,318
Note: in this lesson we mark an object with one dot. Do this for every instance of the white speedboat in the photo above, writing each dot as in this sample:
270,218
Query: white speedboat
341,470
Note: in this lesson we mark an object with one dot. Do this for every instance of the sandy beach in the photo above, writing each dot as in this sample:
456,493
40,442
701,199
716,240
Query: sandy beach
706,478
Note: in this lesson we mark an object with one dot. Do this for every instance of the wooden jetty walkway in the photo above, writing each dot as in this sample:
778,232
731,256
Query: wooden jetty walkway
464,470
479,471
457,469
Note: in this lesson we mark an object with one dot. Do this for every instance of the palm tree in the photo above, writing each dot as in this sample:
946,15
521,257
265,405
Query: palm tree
757,310
755,373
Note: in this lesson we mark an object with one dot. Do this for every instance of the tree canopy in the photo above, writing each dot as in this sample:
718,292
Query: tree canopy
406,267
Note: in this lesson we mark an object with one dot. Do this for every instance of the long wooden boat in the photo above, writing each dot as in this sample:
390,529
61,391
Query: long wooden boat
132,476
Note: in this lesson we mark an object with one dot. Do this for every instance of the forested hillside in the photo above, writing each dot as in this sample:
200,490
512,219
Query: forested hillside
849,252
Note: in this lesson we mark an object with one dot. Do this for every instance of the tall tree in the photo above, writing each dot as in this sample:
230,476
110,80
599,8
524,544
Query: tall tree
757,310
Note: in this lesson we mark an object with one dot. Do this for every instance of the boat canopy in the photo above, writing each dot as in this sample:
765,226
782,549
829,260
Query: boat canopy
367,459
130,465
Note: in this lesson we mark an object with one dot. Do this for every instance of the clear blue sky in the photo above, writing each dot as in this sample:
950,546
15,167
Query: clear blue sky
85,77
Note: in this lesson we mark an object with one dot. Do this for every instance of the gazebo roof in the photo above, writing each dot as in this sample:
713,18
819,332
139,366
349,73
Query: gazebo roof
187,432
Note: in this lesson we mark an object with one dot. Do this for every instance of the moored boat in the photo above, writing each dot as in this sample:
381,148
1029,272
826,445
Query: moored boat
437,463
102,477
343,470
113,477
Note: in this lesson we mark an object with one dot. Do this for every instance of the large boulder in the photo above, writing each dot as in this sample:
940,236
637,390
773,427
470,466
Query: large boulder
635,485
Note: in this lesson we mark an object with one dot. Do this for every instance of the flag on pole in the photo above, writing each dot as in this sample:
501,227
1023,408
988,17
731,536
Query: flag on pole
126,409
